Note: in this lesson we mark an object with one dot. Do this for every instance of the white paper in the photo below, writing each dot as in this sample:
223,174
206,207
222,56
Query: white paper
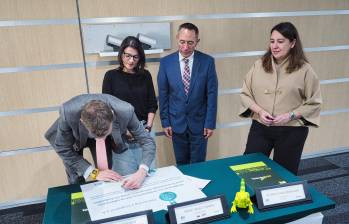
283,194
198,182
166,186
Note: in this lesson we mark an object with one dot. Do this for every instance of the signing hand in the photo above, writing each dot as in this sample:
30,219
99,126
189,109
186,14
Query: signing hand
281,119
208,132
265,117
168,132
108,175
135,180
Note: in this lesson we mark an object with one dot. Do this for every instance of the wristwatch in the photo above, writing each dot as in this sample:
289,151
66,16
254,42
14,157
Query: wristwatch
147,127
145,167
93,175
292,116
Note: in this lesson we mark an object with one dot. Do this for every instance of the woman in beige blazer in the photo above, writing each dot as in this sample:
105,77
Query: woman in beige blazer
281,93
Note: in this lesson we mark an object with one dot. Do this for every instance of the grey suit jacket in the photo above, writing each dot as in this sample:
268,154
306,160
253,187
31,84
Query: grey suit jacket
68,135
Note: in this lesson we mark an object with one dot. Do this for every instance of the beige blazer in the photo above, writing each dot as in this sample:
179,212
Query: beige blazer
281,92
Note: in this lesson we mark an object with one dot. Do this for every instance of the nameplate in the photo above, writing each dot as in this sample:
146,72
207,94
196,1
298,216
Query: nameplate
203,210
282,195
144,217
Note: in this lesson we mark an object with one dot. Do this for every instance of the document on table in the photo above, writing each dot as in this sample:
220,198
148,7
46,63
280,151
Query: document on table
198,182
166,186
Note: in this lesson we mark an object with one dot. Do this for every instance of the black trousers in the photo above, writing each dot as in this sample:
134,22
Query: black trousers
287,142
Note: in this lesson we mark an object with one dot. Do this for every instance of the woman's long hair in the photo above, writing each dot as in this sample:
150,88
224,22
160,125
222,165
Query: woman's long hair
296,56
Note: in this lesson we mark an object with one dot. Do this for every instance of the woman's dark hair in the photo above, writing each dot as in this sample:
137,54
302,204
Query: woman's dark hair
296,55
133,42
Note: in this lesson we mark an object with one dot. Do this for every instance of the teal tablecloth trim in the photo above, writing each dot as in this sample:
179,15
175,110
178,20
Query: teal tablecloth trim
223,181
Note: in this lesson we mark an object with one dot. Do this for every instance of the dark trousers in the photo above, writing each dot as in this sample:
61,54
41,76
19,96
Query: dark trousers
287,142
189,147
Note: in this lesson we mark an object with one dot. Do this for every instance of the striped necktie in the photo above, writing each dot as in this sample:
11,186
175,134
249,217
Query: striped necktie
186,76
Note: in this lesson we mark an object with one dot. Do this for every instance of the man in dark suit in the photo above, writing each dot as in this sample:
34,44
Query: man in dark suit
100,122
188,87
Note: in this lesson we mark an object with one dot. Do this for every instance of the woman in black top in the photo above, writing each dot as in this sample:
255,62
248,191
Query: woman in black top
132,83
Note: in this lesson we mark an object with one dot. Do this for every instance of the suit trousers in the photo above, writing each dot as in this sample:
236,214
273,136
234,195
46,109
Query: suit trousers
287,142
189,147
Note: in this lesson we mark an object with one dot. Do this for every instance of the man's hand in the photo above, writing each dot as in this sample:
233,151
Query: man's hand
208,132
135,181
282,119
108,175
168,132
265,117
129,136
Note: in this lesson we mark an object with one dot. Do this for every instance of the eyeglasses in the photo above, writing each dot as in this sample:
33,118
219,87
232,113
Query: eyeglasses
129,56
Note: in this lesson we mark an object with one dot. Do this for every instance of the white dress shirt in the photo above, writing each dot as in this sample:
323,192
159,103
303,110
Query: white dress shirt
182,64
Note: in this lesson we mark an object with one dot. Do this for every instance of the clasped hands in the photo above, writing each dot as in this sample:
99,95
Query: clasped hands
207,132
268,119
134,181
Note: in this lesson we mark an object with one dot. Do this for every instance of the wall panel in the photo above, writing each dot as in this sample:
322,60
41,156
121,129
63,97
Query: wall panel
29,175
111,8
228,108
335,96
95,77
232,71
25,131
330,64
40,88
157,124
227,142
330,134
253,34
40,45
37,9
165,154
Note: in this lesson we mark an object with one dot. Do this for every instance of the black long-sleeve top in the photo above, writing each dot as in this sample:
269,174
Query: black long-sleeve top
136,89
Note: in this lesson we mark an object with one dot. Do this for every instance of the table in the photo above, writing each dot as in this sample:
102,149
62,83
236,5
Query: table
223,181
